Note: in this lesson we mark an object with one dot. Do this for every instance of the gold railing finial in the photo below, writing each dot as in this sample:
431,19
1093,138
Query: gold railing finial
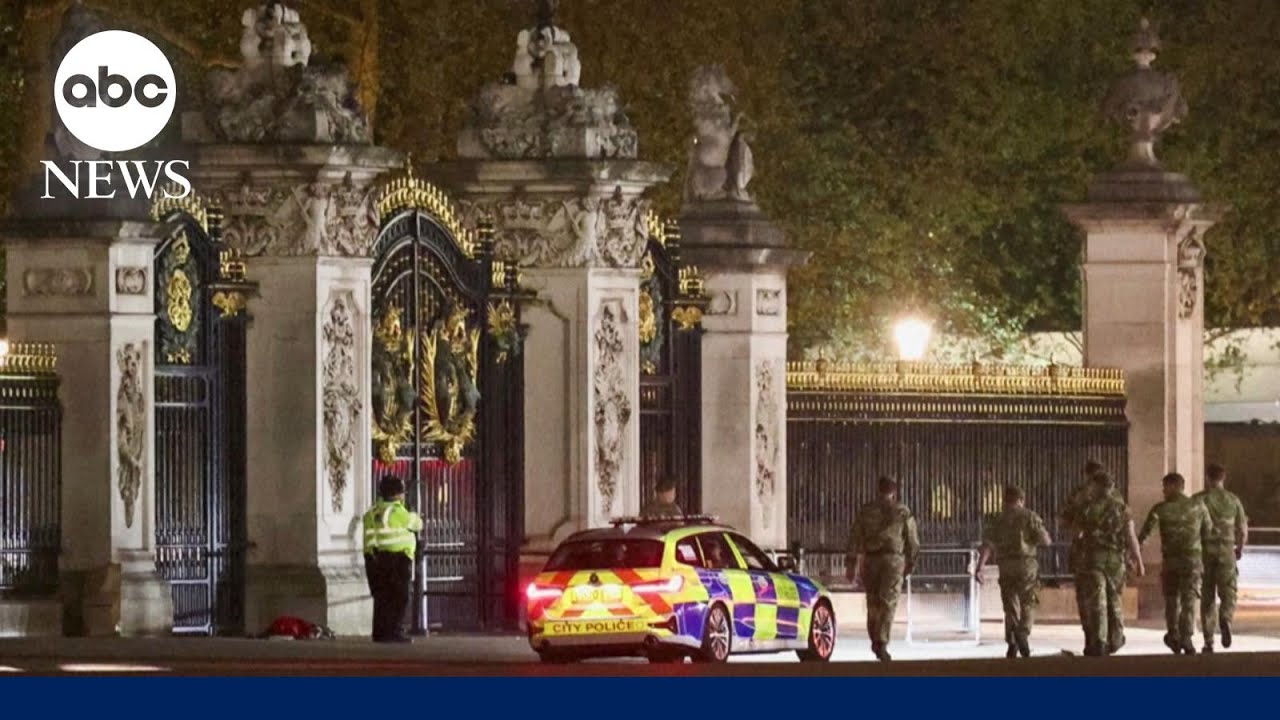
971,379
28,359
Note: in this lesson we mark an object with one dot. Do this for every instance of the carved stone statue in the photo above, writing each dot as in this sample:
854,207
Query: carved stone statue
278,94
131,427
77,24
720,161
540,111
1146,101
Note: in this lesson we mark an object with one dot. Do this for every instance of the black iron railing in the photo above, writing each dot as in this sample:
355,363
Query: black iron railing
30,471
953,437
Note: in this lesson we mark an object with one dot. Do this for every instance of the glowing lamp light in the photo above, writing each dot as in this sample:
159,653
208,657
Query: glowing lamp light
4,347
911,335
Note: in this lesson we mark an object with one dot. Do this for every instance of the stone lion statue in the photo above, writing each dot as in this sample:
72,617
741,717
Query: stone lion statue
720,161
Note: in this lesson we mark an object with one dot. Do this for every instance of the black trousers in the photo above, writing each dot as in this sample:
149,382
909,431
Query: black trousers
389,575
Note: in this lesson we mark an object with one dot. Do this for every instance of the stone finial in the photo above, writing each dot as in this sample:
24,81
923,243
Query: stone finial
540,110
278,94
1146,101
720,160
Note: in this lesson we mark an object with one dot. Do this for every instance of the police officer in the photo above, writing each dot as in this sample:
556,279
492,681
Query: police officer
1221,551
389,545
883,546
663,504
1184,527
1014,536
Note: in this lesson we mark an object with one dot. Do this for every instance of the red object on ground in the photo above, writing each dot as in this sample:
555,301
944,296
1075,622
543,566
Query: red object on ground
297,628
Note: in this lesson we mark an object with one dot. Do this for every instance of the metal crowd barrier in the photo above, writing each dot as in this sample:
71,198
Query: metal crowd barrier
942,600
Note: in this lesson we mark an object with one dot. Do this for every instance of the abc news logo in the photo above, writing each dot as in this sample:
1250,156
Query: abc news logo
115,91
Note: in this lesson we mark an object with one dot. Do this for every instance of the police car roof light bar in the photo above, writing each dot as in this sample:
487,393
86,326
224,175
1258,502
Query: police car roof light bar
684,519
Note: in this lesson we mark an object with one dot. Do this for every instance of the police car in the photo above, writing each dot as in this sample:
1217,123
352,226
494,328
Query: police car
667,589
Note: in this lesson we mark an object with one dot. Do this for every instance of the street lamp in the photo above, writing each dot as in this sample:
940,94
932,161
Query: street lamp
911,334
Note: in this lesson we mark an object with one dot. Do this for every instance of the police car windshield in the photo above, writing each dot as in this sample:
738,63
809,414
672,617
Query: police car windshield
604,554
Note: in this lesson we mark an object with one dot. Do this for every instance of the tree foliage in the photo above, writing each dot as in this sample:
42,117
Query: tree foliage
918,149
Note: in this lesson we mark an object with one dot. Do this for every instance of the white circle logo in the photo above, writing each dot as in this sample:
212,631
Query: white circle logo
115,91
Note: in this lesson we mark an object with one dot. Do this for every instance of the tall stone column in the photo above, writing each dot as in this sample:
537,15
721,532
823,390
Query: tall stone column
744,259
1143,290
294,172
553,166
85,286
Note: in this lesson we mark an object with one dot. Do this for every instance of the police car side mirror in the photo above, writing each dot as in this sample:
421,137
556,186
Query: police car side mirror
786,563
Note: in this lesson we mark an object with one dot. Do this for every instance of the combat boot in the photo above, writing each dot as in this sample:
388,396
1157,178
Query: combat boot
1189,649
1208,646
1024,647
1172,643
882,653
1226,632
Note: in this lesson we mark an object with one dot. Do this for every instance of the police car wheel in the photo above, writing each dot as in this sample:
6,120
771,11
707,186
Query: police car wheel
822,635
717,636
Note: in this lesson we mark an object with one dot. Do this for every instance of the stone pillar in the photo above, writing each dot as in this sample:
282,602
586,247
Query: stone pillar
1144,292
577,230
284,149
744,259
73,283
306,225
553,166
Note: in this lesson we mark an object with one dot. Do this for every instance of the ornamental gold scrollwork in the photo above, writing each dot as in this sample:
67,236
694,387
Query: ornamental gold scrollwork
503,330
178,284
447,378
393,397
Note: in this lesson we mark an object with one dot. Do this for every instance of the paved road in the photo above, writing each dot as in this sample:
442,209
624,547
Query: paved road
1252,655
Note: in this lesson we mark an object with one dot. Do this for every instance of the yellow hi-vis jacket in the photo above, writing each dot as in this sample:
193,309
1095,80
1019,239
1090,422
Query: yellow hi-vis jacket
390,527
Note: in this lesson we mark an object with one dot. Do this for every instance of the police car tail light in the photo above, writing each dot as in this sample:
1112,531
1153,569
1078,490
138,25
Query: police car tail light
670,585
541,592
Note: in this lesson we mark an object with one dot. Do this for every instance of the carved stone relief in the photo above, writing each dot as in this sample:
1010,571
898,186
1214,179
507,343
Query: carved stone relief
768,302
723,302
131,280
65,282
582,232
768,435
341,403
305,219
131,426
1190,268
612,403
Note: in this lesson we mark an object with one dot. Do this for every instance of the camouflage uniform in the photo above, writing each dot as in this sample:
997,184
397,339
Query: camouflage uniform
659,509
884,532
1226,515
1103,536
1015,534
1184,525
1070,517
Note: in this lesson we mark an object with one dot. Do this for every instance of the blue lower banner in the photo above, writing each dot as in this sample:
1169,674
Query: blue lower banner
625,697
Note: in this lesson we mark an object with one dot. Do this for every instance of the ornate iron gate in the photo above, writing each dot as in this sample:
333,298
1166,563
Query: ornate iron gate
199,421
671,302
448,405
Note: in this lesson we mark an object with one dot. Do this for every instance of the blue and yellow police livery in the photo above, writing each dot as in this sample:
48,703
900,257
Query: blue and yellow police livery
668,589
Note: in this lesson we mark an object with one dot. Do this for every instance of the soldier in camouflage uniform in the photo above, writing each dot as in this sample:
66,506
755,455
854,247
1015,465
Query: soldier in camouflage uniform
1014,536
1221,551
1105,532
1069,517
883,546
1184,528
